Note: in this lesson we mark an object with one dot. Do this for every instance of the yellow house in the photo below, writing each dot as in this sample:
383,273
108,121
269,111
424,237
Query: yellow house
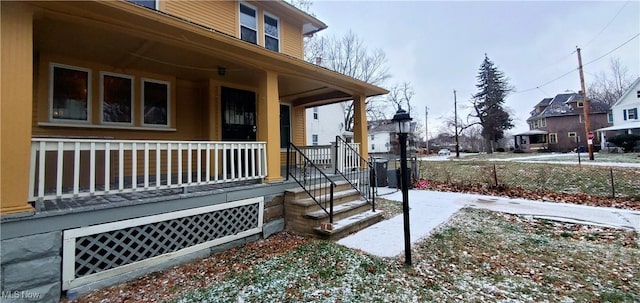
126,114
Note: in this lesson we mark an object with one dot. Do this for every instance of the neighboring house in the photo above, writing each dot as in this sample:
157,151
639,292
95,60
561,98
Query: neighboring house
624,114
557,124
140,133
382,136
324,123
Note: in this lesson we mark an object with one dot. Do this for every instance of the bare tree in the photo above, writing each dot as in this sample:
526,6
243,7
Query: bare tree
400,95
609,86
349,56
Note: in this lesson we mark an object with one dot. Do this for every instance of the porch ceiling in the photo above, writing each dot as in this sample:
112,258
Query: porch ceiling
121,39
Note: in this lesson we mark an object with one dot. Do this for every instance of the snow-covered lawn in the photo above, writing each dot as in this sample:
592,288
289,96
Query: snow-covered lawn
479,256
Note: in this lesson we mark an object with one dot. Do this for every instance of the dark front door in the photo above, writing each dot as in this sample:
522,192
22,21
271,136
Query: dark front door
238,115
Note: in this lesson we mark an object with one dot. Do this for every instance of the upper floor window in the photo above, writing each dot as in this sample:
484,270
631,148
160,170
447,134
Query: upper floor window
248,24
314,139
152,4
581,118
543,122
315,113
69,93
580,103
638,93
610,116
632,114
271,33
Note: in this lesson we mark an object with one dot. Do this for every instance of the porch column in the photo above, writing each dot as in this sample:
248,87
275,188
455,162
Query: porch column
360,125
15,106
269,123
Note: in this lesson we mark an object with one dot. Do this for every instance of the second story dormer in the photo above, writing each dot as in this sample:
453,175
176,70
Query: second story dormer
274,25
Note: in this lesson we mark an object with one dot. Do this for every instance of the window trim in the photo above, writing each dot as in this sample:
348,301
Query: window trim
133,99
635,113
610,116
314,139
168,84
580,104
270,36
315,113
581,118
554,136
52,66
240,25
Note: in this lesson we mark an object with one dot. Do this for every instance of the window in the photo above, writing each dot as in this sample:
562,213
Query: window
373,147
638,94
574,136
271,33
632,114
315,113
553,138
624,114
580,103
116,98
581,118
314,139
543,122
152,4
155,102
248,24
373,137
69,93
610,116
285,125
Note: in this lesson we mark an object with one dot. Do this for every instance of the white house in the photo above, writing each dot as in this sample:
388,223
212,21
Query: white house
624,113
324,122
380,136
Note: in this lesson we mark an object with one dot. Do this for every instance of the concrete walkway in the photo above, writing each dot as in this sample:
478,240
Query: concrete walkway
431,208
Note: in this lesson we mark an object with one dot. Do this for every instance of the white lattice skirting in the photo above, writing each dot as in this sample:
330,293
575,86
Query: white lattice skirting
98,252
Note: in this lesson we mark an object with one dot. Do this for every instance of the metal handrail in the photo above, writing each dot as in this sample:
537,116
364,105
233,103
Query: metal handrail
311,178
362,179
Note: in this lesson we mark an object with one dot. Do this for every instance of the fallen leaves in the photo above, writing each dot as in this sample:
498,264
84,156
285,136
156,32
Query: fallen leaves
518,192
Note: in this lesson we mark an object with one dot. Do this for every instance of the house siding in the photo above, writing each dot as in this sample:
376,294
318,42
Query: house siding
223,16
562,125
292,41
219,15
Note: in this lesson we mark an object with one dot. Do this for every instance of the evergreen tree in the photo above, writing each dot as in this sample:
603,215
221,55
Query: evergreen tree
493,88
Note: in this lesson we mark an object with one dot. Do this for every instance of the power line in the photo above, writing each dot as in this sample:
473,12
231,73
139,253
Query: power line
613,50
609,23
573,70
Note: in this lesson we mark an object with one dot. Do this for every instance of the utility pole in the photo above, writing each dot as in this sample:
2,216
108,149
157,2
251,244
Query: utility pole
426,126
455,117
585,103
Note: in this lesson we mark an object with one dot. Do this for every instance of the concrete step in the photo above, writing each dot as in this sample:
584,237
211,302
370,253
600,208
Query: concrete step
299,192
346,226
340,211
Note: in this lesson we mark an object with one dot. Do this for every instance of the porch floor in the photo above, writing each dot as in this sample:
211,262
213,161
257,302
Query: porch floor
119,199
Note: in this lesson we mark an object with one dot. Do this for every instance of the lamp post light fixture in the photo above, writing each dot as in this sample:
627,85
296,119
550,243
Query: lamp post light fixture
403,127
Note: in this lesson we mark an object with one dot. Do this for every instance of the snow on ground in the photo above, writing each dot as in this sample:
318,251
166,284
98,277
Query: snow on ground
428,209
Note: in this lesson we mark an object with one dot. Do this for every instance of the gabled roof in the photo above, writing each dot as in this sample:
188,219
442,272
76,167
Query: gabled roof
635,86
560,105
380,126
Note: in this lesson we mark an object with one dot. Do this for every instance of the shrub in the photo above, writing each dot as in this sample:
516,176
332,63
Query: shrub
626,141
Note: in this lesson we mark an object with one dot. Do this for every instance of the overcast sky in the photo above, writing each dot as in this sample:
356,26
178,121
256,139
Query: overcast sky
439,46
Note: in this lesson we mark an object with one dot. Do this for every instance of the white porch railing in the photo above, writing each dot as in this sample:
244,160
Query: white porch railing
348,158
63,168
320,155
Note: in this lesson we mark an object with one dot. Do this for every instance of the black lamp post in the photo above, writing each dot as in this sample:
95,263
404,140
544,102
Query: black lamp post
403,125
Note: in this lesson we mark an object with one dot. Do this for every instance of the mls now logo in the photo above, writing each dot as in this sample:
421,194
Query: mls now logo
16,294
